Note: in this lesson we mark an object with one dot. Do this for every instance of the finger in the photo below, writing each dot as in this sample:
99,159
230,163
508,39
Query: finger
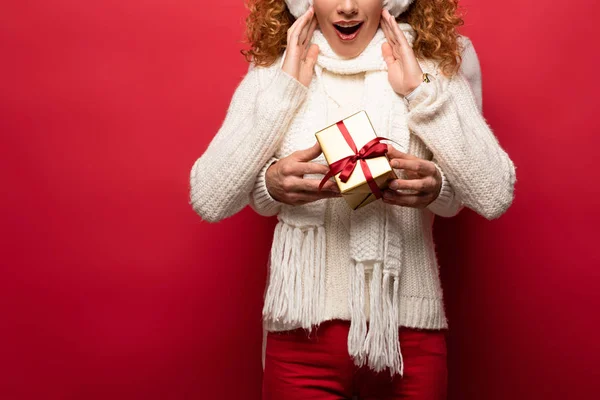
391,26
312,185
311,57
425,185
329,186
296,28
387,22
303,20
302,168
307,154
295,184
386,30
307,31
307,197
419,166
307,65
388,55
311,30
395,153
394,41
410,174
393,65
303,32
400,38
405,200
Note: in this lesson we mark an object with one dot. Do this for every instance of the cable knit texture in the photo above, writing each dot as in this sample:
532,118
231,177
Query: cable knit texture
319,267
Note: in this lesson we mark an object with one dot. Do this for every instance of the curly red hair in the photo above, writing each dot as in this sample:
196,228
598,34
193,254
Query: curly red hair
435,23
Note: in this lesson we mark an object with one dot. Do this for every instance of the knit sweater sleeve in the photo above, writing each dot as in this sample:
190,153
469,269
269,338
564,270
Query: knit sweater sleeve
259,113
261,200
447,117
447,204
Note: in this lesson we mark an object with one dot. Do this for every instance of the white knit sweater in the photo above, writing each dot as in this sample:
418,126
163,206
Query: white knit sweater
346,91
231,174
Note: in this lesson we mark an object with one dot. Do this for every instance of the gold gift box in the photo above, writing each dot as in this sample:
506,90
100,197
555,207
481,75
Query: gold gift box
356,190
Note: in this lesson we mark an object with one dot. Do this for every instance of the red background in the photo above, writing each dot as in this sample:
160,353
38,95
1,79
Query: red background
112,288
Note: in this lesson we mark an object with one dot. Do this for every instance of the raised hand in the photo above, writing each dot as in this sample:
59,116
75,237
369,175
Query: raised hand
300,57
286,183
404,71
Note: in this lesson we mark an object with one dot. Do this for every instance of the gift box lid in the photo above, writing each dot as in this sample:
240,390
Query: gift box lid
335,147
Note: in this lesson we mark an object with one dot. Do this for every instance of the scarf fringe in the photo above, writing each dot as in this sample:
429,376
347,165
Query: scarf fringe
358,323
296,287
376,340
379,345
394,354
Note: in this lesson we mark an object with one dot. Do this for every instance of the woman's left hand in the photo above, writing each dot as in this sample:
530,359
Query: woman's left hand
404,71
422,177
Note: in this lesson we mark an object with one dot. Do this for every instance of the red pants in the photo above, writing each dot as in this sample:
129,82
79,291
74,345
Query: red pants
300,368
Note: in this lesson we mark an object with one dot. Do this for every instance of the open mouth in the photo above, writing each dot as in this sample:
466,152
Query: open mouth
348,30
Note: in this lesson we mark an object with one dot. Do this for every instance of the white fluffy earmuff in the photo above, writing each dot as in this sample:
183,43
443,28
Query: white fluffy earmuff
395,7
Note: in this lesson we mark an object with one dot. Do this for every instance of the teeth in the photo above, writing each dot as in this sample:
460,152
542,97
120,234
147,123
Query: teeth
348,26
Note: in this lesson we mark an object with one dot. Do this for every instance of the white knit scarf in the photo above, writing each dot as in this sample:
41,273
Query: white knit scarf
295,293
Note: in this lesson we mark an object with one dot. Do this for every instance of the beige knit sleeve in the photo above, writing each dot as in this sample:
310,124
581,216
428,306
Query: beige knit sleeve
447,117
447,204
259,113
261,200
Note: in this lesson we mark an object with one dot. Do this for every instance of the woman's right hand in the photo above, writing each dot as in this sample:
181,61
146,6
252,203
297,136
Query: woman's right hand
300,58
286,183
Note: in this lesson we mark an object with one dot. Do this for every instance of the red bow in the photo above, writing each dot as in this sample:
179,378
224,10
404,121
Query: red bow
347,164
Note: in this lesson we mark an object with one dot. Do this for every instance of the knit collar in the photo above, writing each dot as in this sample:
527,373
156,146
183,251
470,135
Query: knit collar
370,59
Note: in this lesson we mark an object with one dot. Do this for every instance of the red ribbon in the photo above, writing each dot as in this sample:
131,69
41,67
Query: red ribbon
347,164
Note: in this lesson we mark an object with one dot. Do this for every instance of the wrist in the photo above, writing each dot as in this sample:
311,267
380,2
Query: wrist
412,94
262,201
426,78
267,173
444,192
440,180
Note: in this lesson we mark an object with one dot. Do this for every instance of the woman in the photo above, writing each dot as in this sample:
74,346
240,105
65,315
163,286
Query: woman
354,293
